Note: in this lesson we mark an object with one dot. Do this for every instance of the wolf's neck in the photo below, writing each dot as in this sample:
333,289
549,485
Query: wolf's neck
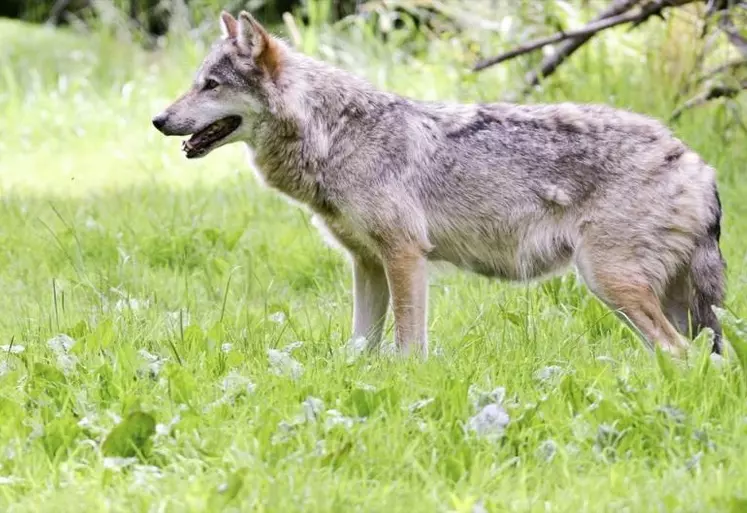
302,140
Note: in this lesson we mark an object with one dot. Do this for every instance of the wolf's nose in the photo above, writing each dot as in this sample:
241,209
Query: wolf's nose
159,121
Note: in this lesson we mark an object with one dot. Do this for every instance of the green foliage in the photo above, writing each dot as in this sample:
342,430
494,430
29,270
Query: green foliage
173,280
131,437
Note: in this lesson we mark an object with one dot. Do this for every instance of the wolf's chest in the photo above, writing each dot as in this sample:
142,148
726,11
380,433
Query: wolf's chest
346,235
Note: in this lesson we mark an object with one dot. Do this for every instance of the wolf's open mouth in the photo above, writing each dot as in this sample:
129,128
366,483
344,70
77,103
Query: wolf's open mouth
199,144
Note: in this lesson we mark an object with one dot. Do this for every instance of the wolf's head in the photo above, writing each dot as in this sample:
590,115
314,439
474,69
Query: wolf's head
230,90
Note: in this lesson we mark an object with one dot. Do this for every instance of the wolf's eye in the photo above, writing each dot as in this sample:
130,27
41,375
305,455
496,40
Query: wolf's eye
211,84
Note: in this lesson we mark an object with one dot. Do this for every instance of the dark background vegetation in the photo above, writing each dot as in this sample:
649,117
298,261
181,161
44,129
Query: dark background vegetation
426,19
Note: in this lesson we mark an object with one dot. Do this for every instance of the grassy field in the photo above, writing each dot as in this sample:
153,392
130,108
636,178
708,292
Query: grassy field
174,337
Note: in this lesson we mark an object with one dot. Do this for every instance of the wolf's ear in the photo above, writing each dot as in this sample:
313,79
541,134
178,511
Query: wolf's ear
257,42
228,25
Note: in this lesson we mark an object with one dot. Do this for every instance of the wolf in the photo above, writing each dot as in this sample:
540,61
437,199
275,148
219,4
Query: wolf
516,192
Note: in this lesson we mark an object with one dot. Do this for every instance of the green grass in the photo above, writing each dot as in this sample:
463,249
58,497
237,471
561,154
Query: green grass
178,282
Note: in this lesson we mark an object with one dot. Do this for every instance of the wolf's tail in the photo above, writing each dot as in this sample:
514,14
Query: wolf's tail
707,268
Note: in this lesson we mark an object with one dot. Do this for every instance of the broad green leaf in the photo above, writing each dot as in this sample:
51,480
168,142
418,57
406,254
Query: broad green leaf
736,333
364,402
131,437
59,434
666,365
228,491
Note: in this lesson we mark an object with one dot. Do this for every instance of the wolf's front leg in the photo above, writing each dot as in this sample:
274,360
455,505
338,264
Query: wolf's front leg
370,300
408,285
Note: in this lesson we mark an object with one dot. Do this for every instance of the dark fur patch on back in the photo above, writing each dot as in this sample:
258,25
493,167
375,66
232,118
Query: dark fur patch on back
356,112
351,111
482,121
674,154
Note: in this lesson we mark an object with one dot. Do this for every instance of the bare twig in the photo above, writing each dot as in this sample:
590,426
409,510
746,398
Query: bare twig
709,40
569,47
721,11
732,33
717,91
730,67
60,9
714,6
653,8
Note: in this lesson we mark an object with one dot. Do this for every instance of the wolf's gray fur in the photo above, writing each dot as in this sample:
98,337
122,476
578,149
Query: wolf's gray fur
511,191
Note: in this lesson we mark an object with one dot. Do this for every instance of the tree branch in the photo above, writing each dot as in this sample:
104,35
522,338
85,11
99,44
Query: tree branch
732,33
730,66
654,7
569,47
717,91
58,12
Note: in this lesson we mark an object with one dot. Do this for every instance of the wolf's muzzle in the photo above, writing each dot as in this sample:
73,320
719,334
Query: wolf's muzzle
160,121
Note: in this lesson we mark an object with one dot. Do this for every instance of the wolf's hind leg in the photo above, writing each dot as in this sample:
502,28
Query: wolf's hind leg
625,289
676,304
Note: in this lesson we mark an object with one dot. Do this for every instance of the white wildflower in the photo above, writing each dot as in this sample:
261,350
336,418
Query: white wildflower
117,463
282,364
353,349
61,344
334,418
277,317
12,349
152,362
490,422
549,374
